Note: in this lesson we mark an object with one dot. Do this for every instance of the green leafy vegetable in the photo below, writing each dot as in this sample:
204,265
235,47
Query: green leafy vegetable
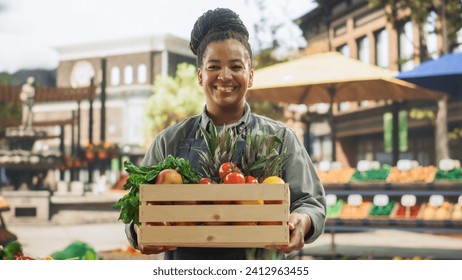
130,202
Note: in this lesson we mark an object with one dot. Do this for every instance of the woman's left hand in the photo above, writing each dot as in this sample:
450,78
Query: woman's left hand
299,225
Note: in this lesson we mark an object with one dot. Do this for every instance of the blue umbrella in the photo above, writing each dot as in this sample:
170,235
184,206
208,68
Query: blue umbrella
442,74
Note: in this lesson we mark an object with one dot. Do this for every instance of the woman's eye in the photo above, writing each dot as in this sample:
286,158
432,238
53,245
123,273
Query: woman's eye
213,67
237,67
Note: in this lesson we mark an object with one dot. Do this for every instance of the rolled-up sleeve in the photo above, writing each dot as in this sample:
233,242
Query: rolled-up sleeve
306,190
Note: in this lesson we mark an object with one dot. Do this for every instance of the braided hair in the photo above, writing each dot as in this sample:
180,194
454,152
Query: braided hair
217,25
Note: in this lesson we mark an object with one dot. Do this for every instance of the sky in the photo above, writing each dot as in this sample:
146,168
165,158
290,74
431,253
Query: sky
29,29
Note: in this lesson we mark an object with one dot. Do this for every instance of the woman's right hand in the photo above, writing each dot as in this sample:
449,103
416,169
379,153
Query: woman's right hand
148,250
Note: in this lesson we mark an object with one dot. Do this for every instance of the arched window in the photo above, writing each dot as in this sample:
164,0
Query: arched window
142,73
115,76
128,75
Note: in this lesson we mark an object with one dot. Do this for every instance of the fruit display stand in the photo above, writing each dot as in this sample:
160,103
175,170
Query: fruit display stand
418,199
398,219
217,215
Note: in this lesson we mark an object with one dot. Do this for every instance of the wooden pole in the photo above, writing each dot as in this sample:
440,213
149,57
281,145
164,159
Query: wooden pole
395,134
103,100
331,90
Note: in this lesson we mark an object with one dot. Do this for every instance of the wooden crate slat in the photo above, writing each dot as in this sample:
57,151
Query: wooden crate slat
206,213
197,192
214,236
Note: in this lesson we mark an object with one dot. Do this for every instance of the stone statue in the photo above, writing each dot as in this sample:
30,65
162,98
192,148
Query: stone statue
27,97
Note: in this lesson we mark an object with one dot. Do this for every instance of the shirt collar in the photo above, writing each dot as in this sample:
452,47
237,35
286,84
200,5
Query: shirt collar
242,123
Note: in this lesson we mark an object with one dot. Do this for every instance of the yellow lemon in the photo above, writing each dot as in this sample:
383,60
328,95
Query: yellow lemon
273,180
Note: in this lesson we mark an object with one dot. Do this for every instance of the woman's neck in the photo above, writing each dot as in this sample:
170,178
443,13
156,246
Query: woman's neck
225,116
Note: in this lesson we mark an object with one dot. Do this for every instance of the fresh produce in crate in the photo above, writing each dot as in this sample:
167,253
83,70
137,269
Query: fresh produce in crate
379,174
333,211
336,176
220,149
382,211
233,209
263,156
129,203
450,175
419,174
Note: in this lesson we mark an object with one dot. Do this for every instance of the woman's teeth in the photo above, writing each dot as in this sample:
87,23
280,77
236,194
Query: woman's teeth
225,89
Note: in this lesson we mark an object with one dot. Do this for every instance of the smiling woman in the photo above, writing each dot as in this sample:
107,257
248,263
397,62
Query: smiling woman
224,71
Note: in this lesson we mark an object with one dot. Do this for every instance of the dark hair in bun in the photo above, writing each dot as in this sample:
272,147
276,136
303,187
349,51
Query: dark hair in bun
217,25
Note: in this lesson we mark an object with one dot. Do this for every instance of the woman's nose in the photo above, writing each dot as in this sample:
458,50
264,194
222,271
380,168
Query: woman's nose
225,74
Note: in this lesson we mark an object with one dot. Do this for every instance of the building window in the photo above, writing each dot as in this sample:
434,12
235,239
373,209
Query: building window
344,50
406,47
142,73
363,103
431,38
322,108
459,40
115,76
364,53
382,48
128,75
344,106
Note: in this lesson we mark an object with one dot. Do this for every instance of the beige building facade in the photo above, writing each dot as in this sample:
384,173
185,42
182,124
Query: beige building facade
131,65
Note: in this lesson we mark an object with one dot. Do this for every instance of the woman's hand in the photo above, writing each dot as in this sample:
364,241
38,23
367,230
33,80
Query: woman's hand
148,250
299,225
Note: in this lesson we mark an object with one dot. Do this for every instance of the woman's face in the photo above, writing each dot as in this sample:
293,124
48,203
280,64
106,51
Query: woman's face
225,75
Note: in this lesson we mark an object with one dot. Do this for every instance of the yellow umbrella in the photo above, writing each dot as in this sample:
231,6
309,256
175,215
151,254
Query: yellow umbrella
331,78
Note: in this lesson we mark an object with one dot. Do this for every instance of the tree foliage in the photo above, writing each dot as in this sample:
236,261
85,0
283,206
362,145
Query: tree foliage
276,36
174,99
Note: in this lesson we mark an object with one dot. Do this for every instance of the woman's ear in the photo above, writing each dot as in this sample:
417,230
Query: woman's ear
199,76
250,78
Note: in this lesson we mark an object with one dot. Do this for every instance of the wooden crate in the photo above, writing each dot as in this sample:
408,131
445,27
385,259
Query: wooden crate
220,215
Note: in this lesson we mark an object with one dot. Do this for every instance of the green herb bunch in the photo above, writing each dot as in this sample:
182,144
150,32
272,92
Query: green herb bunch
138,175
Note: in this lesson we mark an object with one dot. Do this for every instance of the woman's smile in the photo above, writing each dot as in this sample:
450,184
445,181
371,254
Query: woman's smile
225,89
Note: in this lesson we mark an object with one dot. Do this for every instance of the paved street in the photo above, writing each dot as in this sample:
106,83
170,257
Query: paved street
103,232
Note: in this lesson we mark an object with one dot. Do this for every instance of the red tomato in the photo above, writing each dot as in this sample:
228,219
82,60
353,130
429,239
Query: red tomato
234,178
250,180
227,167
205,181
